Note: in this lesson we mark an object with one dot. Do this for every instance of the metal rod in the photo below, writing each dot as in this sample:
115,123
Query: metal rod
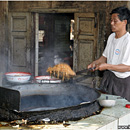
36,42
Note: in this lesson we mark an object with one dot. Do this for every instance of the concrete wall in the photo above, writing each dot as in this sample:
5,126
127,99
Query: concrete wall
76,6
3,38
101,7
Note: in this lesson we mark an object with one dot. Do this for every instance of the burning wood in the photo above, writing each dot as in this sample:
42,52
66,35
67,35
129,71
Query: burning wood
61,70
46,119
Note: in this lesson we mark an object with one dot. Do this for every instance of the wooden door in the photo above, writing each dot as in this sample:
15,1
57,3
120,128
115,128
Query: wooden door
19,42
85,40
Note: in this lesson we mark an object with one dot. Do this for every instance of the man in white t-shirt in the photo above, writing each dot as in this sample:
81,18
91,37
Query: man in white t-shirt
116,56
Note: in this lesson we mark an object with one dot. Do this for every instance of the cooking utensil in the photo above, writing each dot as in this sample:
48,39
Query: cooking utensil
46,79
83,75
37,99
85,71
77,73
62,95
18,77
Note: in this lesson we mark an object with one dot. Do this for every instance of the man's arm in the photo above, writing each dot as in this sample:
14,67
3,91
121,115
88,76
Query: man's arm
100,64
118,68
102,59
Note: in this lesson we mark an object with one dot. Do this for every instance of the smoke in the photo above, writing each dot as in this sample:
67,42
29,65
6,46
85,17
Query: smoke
49,58
46,60
53,96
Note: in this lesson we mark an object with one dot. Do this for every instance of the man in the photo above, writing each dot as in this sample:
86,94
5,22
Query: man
116,56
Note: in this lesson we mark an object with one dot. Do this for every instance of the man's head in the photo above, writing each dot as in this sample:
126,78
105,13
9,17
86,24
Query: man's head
123,13
120,17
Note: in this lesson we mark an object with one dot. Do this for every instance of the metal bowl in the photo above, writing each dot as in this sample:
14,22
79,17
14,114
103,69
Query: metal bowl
46,79
18,77
107,103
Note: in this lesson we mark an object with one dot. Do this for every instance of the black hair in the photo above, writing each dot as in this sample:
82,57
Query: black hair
124,13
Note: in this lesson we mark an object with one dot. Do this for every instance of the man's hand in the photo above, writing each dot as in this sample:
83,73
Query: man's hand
95,64
102,66
92,65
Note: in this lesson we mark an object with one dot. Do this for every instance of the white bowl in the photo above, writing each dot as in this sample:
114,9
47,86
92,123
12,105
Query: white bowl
18,77
107,103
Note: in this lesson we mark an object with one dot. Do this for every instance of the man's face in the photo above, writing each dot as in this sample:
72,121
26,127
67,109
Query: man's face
116,24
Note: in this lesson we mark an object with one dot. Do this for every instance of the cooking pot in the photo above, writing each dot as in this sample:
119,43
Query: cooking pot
46,79
49,95
58,102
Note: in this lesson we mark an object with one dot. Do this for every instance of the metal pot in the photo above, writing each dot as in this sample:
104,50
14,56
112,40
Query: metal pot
46,79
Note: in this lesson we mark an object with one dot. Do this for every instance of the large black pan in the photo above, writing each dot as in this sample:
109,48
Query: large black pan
54,95
38,99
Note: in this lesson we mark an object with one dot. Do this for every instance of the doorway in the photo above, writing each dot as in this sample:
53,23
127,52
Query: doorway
55,40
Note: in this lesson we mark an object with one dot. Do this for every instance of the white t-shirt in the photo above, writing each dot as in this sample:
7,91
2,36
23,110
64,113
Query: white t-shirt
117,51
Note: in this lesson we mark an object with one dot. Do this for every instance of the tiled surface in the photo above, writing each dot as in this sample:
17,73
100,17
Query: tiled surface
125,120
109,119
119,112
94,122
111,126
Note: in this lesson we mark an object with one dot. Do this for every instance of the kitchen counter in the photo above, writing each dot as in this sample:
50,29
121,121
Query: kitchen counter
110,118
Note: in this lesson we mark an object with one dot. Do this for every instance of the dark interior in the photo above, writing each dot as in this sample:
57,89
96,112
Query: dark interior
55,43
